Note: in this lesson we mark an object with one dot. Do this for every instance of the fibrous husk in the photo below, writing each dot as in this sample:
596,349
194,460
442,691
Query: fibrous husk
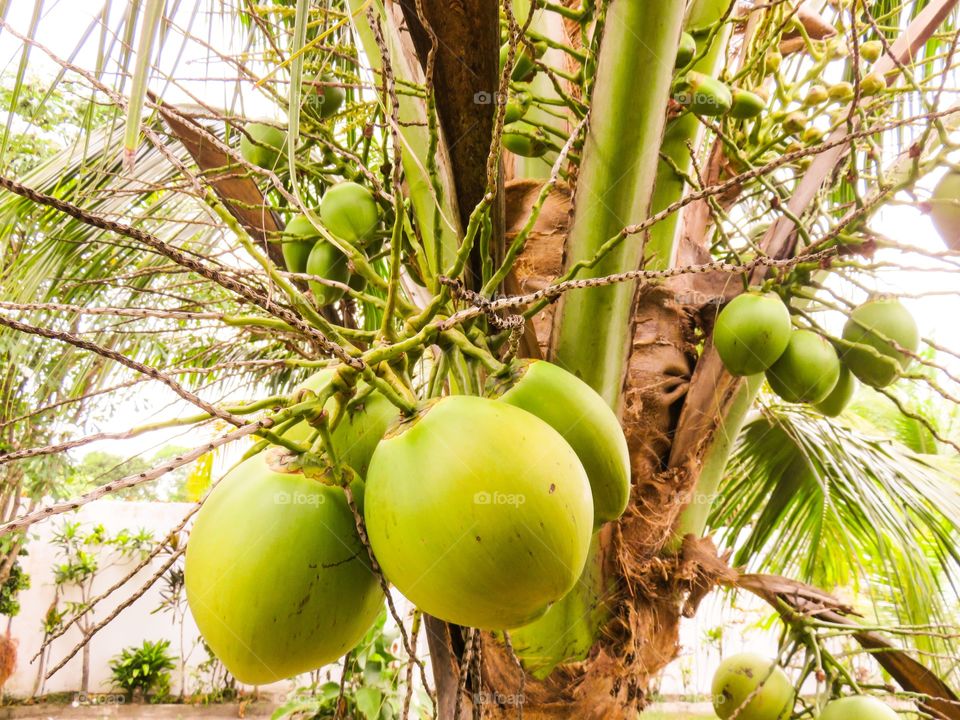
612,683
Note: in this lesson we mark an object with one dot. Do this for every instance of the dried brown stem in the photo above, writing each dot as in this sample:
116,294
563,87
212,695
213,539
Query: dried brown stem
131,480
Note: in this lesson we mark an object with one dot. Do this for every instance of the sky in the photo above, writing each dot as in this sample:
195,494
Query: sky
933,298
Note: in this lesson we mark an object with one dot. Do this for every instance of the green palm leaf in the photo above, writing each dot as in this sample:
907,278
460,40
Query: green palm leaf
844,509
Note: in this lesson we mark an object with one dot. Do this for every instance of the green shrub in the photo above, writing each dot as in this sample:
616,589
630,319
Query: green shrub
145,668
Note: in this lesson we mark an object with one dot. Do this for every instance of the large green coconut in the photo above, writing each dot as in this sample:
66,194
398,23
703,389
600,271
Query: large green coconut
752,332
276,577
858,707
479,512
350,212
874,332
266,147
735,689
576,411
807,371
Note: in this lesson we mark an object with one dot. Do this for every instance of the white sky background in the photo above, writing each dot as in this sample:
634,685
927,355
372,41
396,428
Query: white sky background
64,22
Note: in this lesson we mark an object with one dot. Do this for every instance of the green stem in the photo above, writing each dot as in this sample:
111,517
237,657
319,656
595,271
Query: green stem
682,133
693,519
615,187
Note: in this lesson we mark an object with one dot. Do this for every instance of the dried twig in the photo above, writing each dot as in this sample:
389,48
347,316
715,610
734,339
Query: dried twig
127,602
181,258
132,480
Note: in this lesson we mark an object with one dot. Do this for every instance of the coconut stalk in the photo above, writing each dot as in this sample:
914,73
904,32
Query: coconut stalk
591,335
684,132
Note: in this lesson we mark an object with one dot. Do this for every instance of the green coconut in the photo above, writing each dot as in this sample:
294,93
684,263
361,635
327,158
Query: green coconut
858,707
703,94
753,687
841,395
807,371
746,104
349,211
361,426
752,332
328,262
479,512
330,97
525,140
685,51
264,146
586,422
276,577
873,334
524,65
945,209
517,106
299,238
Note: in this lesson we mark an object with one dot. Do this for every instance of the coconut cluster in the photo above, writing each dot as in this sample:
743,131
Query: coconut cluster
480,510
348,211
754,333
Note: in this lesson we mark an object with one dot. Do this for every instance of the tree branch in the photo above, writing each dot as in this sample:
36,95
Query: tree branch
131,480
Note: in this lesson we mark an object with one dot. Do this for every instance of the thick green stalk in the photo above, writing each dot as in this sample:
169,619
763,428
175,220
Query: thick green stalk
693,519
683,133
592,337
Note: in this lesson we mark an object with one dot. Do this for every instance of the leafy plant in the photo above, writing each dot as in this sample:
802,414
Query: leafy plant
84,552
372,684
17,581
145,669
214,682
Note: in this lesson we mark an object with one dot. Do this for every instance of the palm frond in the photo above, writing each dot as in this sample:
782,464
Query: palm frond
843,509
